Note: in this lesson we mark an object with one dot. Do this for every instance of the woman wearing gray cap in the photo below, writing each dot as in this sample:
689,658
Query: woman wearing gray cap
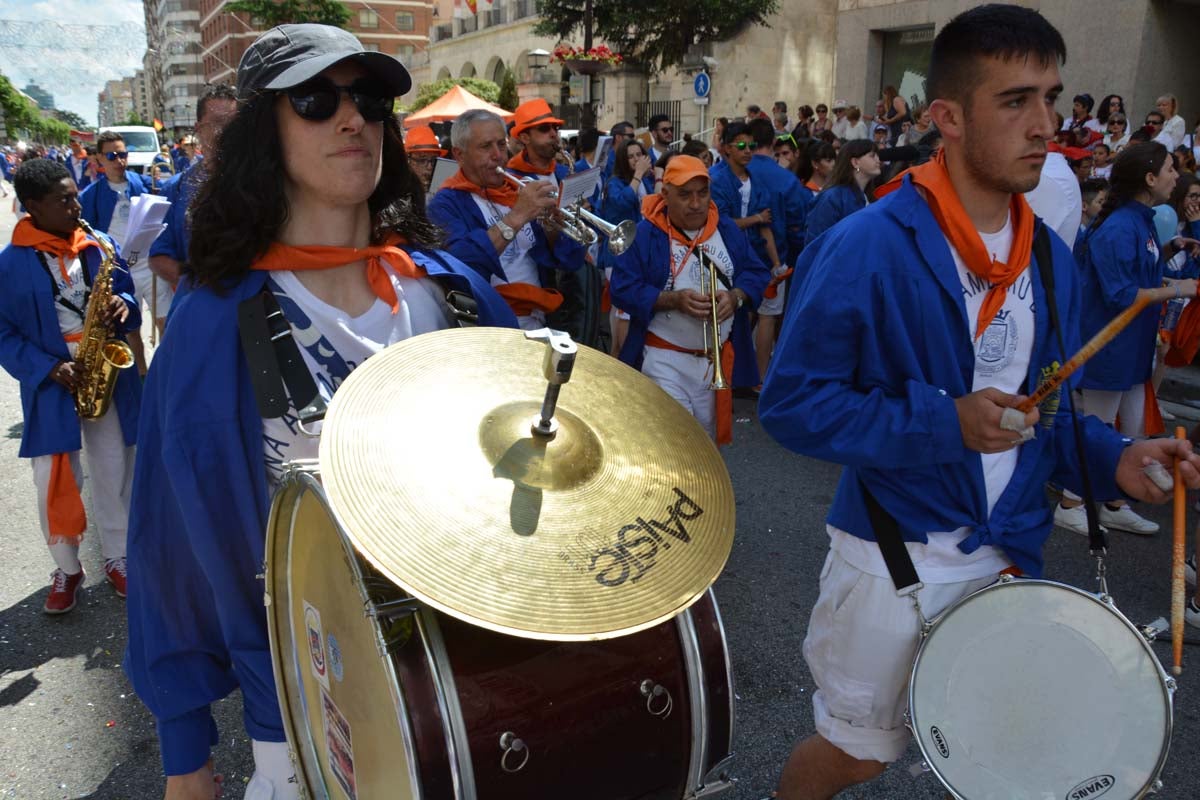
310,205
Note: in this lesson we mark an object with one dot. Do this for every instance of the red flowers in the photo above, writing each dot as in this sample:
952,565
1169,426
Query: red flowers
601,53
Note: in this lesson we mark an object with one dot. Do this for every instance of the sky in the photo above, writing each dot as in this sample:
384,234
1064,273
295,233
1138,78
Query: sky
73,69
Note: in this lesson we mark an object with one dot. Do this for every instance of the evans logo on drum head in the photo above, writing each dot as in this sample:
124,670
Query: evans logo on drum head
1091,788
939,741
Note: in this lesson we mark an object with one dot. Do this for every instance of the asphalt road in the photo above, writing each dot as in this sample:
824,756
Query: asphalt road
70,726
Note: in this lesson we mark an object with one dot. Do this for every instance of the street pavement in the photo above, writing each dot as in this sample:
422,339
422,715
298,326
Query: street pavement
70,726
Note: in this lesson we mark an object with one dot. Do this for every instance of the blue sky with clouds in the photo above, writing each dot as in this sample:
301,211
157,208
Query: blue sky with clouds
74,68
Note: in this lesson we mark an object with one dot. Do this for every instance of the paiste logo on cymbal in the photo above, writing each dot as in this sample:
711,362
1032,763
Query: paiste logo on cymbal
635,551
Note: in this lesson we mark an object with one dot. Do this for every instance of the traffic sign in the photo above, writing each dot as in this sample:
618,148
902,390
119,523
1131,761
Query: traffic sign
702,84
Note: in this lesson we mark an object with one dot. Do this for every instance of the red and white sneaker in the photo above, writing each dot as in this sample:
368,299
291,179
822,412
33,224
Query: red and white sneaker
114,569
64,591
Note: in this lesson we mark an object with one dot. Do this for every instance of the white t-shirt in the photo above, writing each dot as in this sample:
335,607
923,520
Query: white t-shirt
1002,357
516,260
333,343
857,131
120,215
744,192
1056,198
675,326
73,290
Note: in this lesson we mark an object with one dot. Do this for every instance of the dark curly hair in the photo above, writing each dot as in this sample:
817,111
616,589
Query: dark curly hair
241,206
36,178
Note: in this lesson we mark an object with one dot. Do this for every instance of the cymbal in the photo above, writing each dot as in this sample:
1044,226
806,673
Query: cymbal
619,521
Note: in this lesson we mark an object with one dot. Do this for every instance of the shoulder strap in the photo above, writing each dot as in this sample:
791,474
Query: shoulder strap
1041,251
275,361
891,545
462,309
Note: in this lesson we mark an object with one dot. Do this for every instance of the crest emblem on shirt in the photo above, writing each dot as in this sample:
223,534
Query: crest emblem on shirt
1151,247
994,350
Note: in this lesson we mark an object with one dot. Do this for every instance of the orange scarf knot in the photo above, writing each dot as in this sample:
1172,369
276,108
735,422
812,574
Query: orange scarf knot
505,195
26,234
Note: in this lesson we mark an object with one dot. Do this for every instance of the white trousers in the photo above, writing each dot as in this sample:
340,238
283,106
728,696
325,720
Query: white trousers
1129,404
110,469
274,777
685,377
145,287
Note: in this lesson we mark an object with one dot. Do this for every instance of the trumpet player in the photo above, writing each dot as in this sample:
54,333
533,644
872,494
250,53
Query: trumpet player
47,273
536,128
505,229
687,268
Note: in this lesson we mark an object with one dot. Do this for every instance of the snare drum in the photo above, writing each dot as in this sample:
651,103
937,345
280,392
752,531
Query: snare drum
382,697
1034,689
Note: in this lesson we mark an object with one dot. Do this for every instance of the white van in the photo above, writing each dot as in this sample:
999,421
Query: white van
142,143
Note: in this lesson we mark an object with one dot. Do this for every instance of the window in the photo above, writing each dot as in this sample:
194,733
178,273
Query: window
905,62
405,21
370,47
368,18
405,52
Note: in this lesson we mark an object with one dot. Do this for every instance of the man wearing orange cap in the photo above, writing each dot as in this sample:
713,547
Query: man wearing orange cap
536,127
497,228
423,150
663,281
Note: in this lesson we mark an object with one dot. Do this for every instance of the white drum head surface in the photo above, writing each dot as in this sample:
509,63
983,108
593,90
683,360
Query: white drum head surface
1033,689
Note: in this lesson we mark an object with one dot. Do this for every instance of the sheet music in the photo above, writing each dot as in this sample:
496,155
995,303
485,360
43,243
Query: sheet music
577,187
146,215
444,168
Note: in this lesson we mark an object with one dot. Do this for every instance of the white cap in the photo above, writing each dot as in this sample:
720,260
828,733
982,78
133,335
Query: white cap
839,104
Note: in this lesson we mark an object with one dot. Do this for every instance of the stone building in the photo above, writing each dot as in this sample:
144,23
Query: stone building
172,66
116,102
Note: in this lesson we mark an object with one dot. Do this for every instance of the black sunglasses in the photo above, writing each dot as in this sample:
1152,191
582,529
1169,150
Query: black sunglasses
666,130
318,99
113,155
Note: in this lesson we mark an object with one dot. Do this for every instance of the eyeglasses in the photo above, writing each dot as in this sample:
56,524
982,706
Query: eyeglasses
318,99
423,161
547,127
1152,124
1116,121
113,155
666,130
786,137
741,145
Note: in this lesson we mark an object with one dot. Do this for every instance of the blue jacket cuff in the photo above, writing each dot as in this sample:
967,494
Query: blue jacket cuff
947,431
187,741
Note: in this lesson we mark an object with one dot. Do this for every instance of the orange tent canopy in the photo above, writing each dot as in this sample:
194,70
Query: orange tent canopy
451,106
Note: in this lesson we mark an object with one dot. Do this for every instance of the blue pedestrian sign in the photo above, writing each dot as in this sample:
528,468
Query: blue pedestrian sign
702,84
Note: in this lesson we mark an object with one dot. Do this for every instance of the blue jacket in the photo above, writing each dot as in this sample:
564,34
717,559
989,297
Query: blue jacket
641,272
873,352
196,536
98,200
73,161
31,345
467,239
180,189
832,205
620,202
1191,264
1115,260
789,201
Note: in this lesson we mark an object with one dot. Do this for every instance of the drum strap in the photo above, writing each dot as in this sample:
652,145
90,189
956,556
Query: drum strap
277,370
1041,251
891,545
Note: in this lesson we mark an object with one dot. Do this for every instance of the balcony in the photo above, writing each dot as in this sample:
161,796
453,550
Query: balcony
497,16
442,32
523,9
468,25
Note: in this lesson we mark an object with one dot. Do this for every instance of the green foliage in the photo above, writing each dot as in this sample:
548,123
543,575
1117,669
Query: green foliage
22,118
74,120
481,88
134,118
508,98
655,36
269,13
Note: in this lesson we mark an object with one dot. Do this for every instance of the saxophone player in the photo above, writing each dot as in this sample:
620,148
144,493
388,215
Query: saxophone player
48,271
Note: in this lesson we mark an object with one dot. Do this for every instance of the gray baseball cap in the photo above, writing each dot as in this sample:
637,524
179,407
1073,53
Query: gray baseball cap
289,55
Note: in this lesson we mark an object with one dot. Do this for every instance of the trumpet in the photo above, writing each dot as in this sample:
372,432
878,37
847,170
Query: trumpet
581,225
712,342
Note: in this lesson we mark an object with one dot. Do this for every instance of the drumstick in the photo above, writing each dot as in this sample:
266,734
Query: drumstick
1144,298
1177,582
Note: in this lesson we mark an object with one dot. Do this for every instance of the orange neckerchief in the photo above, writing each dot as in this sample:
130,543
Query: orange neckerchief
964,238
521,164
285,257
525,298
654,209
26,234
505,195
812,186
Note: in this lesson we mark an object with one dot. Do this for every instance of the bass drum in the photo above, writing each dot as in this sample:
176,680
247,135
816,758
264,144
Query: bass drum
1035,690
384,698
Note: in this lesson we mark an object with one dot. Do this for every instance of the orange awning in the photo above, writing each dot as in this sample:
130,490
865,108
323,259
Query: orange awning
451,106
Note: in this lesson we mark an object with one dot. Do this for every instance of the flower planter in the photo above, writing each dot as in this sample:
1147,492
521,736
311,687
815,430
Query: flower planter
586,66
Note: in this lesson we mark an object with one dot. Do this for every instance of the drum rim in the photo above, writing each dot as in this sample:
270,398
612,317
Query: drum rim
299,478
1166,684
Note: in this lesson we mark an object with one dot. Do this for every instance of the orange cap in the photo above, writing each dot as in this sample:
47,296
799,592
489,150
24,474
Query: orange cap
422,139
682,169
532,113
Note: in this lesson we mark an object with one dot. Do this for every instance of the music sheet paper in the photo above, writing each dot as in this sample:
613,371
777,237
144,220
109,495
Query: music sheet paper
577,187
444,168
146,215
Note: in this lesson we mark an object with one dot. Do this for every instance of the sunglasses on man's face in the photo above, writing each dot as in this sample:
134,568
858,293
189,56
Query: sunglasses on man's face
1152,124
547,127
318,99
742,145
113,155
666,130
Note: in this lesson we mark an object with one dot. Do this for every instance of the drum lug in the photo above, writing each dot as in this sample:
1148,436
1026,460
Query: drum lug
510,745
1155,787
716,781
658,700
393,608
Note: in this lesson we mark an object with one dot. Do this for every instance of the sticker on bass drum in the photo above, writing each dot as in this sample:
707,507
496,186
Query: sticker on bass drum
339,745
315,638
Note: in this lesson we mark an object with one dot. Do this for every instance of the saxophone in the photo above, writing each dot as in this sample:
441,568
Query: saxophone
100,356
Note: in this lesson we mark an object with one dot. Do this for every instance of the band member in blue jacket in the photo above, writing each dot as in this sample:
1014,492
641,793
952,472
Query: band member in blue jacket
921,319
333,226
47,273
664,285
844,193
506,234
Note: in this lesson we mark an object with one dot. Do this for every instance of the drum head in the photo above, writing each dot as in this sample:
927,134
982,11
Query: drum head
341,705
1034,689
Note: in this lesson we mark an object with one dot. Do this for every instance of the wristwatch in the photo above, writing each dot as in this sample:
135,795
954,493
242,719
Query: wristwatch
741,298
505,230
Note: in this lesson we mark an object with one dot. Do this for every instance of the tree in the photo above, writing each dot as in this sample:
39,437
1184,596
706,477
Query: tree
269,13
134,118
659,39
481,88
508,98
74,120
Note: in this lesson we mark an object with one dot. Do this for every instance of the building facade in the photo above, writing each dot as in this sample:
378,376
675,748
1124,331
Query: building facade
42,97
174,69
397,27
116,102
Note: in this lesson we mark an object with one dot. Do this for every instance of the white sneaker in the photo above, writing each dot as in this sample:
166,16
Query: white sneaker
1191,613
1073,519
1189,570
1125,519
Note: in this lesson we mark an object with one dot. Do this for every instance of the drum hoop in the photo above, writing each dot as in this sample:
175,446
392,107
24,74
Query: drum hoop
690,645
729,681
454,729
1005,582
298,479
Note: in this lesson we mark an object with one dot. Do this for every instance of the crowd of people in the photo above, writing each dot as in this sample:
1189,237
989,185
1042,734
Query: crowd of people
873,282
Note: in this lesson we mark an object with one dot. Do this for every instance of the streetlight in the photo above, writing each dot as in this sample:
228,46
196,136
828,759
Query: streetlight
539,59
